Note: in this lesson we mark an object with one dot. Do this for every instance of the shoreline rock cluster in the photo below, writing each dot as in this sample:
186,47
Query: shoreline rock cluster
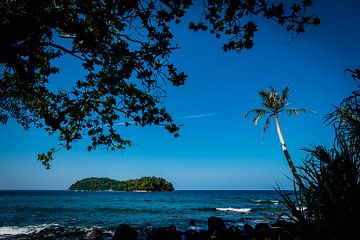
216,231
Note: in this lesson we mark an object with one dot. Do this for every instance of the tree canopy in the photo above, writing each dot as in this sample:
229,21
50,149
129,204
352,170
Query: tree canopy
150,184
124,49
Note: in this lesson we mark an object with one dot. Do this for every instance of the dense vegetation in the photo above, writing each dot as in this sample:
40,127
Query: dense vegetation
326,205
151,184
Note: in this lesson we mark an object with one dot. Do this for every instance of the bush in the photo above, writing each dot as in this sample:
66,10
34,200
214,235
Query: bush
327,204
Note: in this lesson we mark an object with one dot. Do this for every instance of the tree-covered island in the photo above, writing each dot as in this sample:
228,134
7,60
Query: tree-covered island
149,184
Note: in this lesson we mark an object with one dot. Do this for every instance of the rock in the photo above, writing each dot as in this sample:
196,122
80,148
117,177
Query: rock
235,233
204,235
219,235
216,223
97,234
192,223
191,235
217,229
142,235
125,232
283,230
168,233
248,231
72,234
262,231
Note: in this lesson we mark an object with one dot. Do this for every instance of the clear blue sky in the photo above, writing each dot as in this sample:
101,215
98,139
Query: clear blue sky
218,148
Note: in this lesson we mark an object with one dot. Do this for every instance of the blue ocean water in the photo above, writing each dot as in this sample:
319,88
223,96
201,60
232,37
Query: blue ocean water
26,211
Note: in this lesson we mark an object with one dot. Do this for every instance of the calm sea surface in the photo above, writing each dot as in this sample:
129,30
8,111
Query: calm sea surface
25,212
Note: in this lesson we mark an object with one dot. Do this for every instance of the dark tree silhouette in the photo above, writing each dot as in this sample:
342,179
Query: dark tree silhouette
327,205
235,19
346,117
151,184
273,103
123,47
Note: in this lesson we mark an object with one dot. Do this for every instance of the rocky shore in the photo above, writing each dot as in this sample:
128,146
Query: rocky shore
217,230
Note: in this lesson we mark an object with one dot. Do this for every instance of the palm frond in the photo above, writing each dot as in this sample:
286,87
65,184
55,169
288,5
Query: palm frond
285,95
296,111
256,119
257,111
355,74
263,94
272,99
267,124
347,119
265,97
272,89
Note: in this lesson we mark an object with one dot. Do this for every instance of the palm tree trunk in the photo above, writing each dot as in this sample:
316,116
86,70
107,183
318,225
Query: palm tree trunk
286,153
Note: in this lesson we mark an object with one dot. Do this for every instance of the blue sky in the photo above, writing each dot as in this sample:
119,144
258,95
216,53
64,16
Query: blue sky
218,148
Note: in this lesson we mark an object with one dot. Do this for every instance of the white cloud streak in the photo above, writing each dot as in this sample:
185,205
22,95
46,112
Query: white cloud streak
196,116
123,123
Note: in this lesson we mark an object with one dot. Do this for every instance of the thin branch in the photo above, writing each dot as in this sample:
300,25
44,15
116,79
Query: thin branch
66,50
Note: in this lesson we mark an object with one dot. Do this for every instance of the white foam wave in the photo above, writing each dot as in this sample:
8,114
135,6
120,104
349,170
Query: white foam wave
264,201
15,230
230,209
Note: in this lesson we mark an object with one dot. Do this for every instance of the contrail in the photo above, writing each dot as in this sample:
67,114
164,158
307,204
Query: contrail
196,116
123,123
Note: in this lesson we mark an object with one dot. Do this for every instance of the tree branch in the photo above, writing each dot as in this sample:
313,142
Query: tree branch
65,50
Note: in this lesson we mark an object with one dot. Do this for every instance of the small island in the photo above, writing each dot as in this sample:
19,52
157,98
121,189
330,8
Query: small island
144,184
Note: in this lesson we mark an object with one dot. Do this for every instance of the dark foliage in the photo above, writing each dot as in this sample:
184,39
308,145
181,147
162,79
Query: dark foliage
346,117
327,206
151,184
235,19
124,49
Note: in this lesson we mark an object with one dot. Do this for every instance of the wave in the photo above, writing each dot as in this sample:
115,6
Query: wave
238,210
15,230
54,231
264,201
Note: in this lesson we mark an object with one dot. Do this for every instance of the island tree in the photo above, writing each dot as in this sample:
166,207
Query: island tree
273,103
149,184
123,48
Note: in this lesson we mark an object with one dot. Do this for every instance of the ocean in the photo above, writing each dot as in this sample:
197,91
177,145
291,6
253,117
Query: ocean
25,213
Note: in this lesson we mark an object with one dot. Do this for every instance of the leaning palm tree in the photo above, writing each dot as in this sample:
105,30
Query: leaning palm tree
273,104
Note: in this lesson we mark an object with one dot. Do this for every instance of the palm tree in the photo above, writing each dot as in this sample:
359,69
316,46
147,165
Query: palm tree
273,104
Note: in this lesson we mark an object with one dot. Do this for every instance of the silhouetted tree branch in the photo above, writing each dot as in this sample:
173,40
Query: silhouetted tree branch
123,47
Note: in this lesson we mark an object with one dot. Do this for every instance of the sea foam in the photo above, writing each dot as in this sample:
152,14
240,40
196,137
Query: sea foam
15,230
264,201
230,209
